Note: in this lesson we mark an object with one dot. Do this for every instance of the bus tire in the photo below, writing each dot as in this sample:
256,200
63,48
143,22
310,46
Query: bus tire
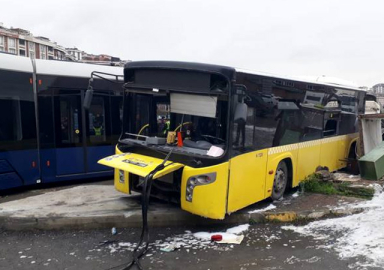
280,181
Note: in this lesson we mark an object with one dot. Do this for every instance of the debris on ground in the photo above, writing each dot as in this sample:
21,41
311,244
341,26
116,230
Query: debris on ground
231,236
328,183
324,174
189,241
169,248
345,177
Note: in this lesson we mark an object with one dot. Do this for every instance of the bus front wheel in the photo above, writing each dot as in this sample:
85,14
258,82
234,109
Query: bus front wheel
280,181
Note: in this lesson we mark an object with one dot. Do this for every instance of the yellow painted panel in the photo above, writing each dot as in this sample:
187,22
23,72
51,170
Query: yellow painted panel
247,179
139,164
308,158
122,186
332,152
208,200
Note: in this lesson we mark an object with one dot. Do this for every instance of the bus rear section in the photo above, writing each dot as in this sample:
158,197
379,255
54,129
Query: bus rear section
234,137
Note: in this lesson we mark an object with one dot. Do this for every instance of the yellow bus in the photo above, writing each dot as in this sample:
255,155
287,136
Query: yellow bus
231,137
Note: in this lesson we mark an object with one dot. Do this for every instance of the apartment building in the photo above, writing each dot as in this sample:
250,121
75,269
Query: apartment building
21,42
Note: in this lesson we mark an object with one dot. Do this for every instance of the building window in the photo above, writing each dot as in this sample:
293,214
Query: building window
50,49
1,43
12,45
22,52
43,52
21,42
31,49
291,84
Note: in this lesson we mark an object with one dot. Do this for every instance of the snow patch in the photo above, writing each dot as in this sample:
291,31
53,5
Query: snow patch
269,207
238,229
354,236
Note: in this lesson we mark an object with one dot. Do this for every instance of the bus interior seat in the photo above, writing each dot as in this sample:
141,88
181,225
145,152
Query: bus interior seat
330,127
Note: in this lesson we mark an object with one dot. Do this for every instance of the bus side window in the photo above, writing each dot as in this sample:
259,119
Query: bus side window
331,123
331,118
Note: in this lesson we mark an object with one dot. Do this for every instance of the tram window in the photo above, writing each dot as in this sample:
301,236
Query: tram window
10,122
97,120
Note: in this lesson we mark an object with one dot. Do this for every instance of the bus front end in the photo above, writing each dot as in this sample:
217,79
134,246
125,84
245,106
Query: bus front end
180,111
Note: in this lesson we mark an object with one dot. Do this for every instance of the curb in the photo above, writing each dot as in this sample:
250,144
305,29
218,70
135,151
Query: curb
162,219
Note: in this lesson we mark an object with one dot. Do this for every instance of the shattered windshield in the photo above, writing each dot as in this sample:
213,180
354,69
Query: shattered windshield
192,124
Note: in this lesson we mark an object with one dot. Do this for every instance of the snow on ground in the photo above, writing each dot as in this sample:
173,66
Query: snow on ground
360,235
269,207
238,229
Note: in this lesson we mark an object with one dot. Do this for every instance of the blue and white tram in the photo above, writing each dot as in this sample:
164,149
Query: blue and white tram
45,133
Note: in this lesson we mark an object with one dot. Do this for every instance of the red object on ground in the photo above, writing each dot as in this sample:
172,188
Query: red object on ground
179,139
216,237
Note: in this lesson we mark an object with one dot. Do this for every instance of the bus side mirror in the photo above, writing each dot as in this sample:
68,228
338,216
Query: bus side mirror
88,98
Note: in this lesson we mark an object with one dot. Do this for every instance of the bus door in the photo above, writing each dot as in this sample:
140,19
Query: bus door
248,164
69,132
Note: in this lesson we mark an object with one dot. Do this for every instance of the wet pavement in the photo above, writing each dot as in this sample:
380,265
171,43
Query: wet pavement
265,247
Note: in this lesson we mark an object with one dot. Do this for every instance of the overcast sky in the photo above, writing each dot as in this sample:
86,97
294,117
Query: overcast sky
339,38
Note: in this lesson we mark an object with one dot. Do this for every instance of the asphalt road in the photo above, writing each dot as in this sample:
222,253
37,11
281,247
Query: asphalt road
265,247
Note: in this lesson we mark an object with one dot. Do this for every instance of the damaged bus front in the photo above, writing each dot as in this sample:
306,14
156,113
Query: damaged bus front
181,110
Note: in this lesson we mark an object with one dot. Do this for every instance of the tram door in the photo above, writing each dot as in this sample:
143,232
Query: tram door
74,139
69,132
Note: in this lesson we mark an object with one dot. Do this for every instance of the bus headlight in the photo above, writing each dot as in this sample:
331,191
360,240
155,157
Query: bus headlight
198,180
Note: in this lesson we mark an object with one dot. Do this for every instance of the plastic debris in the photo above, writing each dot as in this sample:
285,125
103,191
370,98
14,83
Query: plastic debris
216,237
169,248
114,231
231,239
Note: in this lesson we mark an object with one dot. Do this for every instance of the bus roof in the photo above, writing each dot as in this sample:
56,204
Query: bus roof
336,82
229,72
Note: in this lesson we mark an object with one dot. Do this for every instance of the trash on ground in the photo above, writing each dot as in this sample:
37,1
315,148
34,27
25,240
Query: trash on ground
216,237
169,248
344,177
231,236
